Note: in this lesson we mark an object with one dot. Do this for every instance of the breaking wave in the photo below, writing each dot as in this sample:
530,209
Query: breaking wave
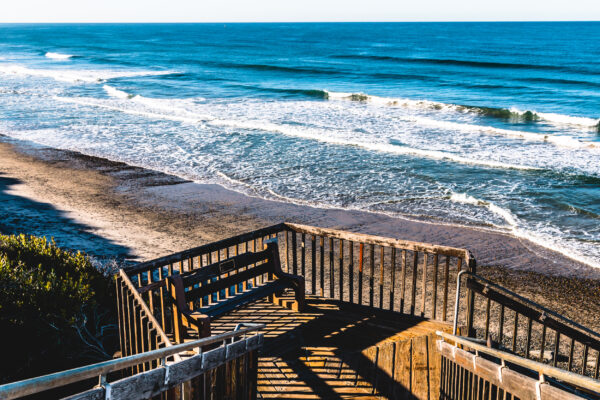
111,91
515,227
58,56
512,114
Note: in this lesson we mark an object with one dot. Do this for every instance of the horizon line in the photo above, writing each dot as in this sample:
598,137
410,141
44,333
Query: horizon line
296,22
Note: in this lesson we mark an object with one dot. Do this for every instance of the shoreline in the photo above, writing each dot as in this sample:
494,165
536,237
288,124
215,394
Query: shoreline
115,211
143,188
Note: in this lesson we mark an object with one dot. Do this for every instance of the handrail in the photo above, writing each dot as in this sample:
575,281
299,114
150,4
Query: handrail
381,240
540,308
542,369
39,384
147,311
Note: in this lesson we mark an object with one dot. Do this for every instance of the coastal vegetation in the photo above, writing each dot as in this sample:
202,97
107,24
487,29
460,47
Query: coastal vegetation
56,310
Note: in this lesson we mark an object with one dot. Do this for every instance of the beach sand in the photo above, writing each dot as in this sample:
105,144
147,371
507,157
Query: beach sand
115,211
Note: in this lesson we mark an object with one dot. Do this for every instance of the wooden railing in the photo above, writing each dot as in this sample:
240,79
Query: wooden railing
486,373
385,273
139,331
407,277
226,371
523,327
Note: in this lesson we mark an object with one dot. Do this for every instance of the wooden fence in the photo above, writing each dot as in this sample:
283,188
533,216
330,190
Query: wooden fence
488,373
408,277
227,371
139,331
523,327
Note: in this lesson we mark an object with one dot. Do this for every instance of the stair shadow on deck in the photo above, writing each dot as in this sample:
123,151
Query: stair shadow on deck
330,351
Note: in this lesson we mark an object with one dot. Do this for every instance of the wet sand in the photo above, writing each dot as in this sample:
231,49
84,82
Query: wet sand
115,211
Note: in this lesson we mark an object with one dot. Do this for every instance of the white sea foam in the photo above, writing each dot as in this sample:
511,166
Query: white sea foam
183,115
319,135
58,56
75,76
147,114
568,120
113,92
514,226
561,141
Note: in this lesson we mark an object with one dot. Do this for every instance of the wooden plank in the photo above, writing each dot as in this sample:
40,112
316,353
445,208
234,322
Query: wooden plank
371,274
360,272
420,368
331,274
413,288
435,367
120,316
304,255
294,254
381,267
341,268
92,394
351,272
322,264
219,268
392,278
213,358
287,251
402,368
140,386
235,350
424,285
446,277
385,368
404,263
435,286
224,283
313,262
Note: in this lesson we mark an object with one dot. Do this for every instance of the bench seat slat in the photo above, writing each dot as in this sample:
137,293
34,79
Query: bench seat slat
246,297
224,283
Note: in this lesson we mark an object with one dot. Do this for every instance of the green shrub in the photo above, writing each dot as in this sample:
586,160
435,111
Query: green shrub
56,310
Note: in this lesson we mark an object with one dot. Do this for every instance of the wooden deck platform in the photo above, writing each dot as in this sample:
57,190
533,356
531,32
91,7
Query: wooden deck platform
334,350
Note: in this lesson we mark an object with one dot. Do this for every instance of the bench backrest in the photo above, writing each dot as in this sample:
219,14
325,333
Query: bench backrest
231,272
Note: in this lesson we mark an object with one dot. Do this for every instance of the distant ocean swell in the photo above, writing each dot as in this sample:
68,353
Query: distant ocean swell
508,114
461,63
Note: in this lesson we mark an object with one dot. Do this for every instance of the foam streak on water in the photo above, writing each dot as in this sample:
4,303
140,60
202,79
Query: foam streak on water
382,119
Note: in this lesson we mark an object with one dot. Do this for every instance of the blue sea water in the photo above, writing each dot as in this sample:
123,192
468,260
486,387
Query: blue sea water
487,124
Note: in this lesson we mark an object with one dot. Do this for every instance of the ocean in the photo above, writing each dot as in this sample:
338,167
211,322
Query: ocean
494,125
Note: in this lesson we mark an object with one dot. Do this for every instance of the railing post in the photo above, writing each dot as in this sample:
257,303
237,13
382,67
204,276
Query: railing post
470,311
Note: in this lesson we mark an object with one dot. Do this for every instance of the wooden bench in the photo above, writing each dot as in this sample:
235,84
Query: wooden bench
215,280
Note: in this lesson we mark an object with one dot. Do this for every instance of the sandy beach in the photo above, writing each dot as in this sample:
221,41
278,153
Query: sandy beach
114,211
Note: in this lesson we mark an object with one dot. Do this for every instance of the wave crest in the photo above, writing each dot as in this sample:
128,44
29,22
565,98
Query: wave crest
512,114
58,56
